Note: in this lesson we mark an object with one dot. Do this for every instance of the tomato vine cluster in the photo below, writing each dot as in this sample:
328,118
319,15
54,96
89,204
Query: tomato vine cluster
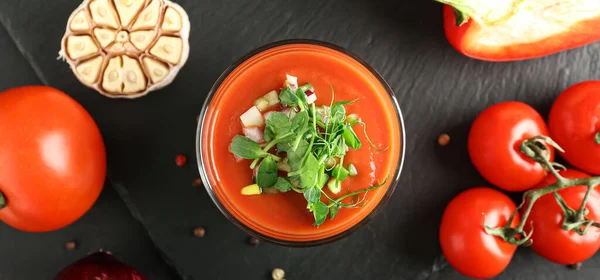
513,148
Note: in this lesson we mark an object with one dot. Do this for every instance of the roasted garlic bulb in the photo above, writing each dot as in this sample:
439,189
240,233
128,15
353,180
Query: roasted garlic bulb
126,48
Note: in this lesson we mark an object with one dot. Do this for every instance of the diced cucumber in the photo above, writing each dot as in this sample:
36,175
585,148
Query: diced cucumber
261,104
334,186
252,117
352,119
352,170
331,162
272,98
339,172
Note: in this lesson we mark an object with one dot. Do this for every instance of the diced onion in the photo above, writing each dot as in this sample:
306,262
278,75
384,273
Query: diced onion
287,112
292,81
267,114
237,158
254,133
310,99
255,171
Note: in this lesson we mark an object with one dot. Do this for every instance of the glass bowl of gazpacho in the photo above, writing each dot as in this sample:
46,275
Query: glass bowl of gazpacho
300,142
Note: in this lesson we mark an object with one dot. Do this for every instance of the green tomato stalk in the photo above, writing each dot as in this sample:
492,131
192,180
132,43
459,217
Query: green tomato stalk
574,219
2,201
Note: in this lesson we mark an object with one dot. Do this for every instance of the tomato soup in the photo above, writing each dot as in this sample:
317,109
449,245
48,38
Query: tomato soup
283,217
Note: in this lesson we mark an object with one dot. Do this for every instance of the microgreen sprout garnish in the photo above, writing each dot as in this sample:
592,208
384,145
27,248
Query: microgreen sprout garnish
303,148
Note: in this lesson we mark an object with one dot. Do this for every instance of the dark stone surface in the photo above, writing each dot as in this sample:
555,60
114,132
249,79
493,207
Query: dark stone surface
108,225
439,91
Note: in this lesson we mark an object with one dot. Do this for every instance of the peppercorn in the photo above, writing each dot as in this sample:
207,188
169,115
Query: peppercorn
444,139
71,245
199,232
278,274
180,160
254,241
197,182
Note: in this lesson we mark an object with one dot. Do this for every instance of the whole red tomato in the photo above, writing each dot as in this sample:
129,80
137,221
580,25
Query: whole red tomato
574,123
494,145
52,159
549,239
465,244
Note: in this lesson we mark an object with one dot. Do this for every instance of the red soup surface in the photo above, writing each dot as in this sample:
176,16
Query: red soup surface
284,216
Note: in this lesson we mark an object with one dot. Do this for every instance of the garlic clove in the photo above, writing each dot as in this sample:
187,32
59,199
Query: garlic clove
128,9
142,39
80,46
105,36
103,14
168,49
129,47
156,69
112,80
124,75
172,21
133,77
79,22
148,18
116,47
88,70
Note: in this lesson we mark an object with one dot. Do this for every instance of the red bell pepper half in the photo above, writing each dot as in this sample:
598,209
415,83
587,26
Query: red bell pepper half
509,30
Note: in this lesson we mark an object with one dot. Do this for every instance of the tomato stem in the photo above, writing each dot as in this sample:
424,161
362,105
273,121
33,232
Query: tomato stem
463,12
581,212
597,138
575,220
2,201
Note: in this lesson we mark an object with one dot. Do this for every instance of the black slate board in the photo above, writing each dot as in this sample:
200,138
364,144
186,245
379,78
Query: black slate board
108,225
439,91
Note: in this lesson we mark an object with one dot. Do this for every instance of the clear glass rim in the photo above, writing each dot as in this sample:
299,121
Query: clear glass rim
199,157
